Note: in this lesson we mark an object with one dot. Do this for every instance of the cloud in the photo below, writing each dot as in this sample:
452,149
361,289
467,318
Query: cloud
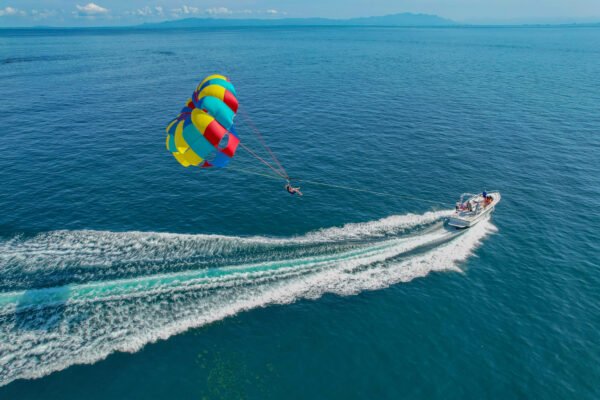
149,12
218,11
9,12
91,9
273,11
42,14
143,12
190,11
185,10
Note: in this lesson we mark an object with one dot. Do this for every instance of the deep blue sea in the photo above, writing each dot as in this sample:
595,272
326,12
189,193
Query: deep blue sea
124,275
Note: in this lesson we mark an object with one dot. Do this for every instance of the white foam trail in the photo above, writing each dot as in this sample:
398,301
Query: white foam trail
445,257
368,230
187,280
97,319
86,248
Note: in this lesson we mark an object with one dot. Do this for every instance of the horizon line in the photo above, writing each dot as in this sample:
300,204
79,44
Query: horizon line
335,22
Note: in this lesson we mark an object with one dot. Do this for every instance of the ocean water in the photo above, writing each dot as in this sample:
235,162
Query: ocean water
124,275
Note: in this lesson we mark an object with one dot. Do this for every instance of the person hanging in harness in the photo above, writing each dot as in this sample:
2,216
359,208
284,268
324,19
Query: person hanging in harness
292,190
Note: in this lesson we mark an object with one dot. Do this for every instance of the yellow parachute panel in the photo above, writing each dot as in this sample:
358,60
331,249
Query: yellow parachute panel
200,119
214,91
180,143
192,158
181,159
214,76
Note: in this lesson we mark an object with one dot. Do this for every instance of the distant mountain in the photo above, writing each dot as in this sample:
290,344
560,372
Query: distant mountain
403,19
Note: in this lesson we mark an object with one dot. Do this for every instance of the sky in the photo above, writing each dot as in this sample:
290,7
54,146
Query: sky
132,12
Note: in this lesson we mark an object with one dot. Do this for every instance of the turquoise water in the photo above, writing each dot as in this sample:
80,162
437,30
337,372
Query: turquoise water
124,275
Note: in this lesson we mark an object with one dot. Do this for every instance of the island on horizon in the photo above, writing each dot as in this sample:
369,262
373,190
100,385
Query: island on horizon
405,19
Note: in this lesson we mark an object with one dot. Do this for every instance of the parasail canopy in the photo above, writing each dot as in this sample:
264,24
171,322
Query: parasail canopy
203,134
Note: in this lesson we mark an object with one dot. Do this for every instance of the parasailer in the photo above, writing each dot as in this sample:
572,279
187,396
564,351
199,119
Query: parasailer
292,190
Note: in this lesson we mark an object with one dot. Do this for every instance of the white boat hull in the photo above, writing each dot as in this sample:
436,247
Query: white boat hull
466,219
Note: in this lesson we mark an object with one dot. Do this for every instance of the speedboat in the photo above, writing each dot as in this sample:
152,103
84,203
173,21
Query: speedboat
472,208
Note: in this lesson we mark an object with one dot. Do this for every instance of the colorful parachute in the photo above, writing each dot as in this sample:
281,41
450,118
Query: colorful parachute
203,134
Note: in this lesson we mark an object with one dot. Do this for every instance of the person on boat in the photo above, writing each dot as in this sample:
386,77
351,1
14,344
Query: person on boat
293,190
487,200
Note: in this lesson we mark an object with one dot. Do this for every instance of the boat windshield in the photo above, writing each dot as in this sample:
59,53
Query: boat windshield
467,196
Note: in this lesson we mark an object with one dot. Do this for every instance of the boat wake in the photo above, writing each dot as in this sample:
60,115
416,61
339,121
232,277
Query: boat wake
72,297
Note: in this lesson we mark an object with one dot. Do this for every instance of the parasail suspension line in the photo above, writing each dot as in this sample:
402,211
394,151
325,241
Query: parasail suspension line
257,133
259,158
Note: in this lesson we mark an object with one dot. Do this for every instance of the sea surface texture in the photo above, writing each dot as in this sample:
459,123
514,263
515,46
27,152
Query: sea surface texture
125,275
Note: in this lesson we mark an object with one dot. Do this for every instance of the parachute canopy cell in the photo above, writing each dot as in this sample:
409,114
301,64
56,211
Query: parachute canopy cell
202,134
